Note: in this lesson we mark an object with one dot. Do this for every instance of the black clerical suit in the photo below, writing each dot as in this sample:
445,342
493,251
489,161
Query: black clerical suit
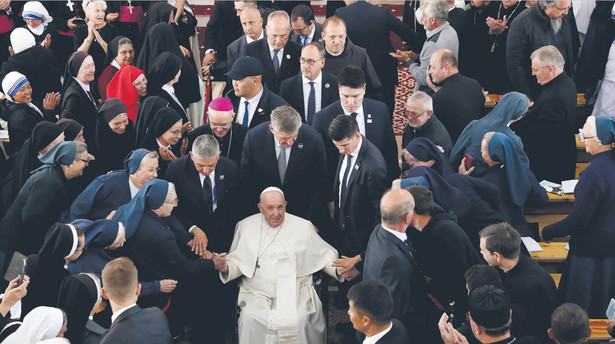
317,35
378,130
173,104
358,210
433,130
305,182
77,105
397,335
289,64
457,103
230,145
139,326
292,91
268,102
376,39
192,207
390,260
356,56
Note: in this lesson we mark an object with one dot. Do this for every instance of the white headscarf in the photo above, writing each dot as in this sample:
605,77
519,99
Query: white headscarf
21,39
12,83
36,10
40,324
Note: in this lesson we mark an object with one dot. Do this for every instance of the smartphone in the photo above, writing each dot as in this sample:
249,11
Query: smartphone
468,160
22,273
17,267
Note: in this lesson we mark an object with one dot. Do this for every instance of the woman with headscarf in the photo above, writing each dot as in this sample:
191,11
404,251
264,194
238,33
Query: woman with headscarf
79,98
164,135
93,36
588,278
42,199
512,107
102,236
40,324
44,137
39,23
63,244
516,184
147,112
73,131
108,192
163,74
80,297
36,62
130,86
119,53
160,39
114,137
159,12
19,111
422,152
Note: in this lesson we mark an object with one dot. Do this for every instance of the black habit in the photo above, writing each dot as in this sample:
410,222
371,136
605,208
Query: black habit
230,145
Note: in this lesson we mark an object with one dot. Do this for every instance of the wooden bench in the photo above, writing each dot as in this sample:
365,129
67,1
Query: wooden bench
552,257
599,331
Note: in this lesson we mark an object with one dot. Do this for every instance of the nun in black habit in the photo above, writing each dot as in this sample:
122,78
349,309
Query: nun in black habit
80,296
147,111
158,12
44,137
161,38
163,76
79,98
114,61
63,243
163,135
114,137
73,131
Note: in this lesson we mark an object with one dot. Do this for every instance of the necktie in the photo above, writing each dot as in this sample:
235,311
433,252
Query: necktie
276,61
282,163
208,194
409,247
246,115
311,109
301,40
91,97
345,178
354,115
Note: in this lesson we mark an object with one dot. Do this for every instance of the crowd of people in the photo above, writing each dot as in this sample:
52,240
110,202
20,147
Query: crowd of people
124,220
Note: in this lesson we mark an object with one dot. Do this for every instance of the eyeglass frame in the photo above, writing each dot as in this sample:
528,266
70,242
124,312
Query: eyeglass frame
150,172
563,10
405,113
309,62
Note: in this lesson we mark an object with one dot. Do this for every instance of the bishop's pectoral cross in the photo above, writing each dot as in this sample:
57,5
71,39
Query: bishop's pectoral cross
70,5
130,6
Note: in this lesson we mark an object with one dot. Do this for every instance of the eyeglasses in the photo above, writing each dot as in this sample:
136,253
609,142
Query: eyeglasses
583,137
152,172
564,10
220,125
87,162
309,62
174,202
298,31
408,114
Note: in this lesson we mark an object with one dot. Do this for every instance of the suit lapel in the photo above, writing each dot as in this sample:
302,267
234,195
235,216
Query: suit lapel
300,101
398,243
262,103
219,181
368,118
195,180
296,154
355,170
336,184
125,314
270,154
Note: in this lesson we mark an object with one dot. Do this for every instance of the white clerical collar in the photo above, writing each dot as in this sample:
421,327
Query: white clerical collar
250,40
117,314
338,54
86,87
168,89
375,338
400,236
316,81
161,145
115,64
133,189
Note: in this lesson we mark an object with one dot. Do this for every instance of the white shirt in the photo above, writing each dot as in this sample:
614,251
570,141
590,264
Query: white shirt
252,104
360,119
117,314
353,160
310,37
171,91
250,40
86,87
375,338
400,236
317,92
278,149
115,64
133,188
160,144
280,53
212,181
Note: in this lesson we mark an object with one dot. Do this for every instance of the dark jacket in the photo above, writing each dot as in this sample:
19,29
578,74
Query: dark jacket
457,103
530,31
104,194
230,145
397,335
77,105
268,102
192,207
433,130
317,34
289,65
22,119
292,91
223,28
139,326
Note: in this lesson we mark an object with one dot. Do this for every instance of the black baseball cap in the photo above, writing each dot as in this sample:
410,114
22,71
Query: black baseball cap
245,66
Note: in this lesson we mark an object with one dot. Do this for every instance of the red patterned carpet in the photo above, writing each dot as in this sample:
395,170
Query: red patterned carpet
402,92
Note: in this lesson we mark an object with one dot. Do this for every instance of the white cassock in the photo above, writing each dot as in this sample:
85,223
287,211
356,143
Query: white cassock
277,299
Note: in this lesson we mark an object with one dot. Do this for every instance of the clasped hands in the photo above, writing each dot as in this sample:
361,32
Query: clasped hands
404,56
346,266
198,244
496,27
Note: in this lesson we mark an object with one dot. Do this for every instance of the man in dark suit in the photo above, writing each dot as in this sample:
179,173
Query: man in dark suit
390,258
370,310
230,134
376,39
252,24
290,155
251,100
305,29
311,90
341,52
460,99
129,323
278,56
223,28
373,118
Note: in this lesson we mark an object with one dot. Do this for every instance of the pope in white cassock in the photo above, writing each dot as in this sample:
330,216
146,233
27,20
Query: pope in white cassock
277,253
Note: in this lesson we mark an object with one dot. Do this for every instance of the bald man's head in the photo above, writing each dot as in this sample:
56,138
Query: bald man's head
251,22
396,207
278,29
